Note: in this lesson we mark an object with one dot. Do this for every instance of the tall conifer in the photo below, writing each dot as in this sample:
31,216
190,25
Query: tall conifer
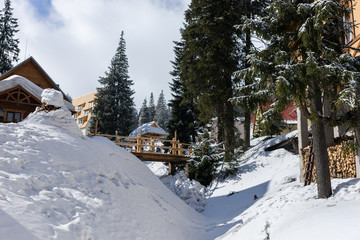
152,107
9,50
144,115
304,61
183,115
115,108
210,59
161,111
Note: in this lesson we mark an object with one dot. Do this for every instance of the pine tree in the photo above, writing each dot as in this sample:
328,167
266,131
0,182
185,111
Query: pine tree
304,62
144,115
9,50
152,107
161,112
249,10
206,159
183,115
115,108
210,59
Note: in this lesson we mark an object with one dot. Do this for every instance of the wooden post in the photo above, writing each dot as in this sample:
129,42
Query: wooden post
174,145
172,169
138,142
96,127
117,140
152,144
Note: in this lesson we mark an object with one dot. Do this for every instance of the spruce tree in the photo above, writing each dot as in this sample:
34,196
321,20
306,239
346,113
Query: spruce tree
210,59
9,50
144,115
152,107
304,61
183,115
161,112
115,108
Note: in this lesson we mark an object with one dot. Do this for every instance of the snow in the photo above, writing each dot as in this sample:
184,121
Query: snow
16,81
58,184
52,97
150,127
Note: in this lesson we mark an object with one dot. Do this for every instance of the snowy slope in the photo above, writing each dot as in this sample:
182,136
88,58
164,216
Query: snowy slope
57,184
283,209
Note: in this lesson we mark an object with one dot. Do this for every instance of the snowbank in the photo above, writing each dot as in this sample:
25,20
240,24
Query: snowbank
267,201
58,184
191,191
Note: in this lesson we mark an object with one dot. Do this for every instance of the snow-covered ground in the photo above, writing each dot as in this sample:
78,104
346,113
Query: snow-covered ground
57,184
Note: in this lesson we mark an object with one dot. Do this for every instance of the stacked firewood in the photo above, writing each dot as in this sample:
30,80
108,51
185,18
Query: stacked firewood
341,161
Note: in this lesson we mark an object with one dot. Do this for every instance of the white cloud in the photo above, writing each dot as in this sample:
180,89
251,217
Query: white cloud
76,41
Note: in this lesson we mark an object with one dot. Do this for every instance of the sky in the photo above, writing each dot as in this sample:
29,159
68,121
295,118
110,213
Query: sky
74,40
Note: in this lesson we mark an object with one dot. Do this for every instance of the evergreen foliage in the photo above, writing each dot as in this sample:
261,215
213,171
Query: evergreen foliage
183,115
304,62
209,59
162,114
9,50
115,108
206,159
152,107
144,115
249,9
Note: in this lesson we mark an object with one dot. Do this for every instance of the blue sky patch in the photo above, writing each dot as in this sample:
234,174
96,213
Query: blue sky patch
42,7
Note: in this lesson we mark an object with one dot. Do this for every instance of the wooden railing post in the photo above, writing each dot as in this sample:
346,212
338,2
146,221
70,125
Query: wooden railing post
152,144
174,145
117,140
138,142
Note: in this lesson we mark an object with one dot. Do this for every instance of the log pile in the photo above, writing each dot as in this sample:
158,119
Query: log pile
341,161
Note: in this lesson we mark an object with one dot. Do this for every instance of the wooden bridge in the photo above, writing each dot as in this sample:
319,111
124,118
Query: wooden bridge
153,149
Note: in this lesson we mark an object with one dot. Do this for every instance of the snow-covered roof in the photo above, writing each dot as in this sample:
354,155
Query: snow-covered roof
149,129
32,88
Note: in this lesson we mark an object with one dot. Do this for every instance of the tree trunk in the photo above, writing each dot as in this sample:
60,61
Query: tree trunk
357,157
329,130
303,138
229,130
247,111
247,130
319,144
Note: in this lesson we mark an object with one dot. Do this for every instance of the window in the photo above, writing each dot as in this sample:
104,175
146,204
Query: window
80,121
13,117
86,112
79,107
91,104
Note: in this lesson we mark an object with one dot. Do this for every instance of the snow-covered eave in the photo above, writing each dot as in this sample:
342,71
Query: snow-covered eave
30,87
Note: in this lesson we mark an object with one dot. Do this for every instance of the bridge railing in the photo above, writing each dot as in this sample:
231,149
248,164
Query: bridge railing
141,144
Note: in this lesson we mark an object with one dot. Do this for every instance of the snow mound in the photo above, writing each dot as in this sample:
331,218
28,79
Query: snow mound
191,191
52,97
57,185
59,118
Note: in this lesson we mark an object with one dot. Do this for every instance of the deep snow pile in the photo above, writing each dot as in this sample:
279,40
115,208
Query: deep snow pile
191,191
57,184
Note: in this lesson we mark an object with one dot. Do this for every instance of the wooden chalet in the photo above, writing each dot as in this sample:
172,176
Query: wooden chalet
20,90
